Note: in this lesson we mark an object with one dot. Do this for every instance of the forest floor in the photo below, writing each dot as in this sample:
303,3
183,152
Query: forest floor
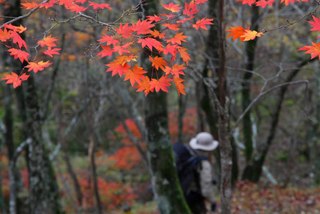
251,198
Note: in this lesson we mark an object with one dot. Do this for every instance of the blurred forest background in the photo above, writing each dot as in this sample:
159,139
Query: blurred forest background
91,126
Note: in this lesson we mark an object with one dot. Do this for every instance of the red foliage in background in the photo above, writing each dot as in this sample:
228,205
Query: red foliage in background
113,194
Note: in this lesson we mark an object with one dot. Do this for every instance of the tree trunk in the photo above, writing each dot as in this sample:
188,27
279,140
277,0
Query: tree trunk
164,178
246,86
43,187
223,115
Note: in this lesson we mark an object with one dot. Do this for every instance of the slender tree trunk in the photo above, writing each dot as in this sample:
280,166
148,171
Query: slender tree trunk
246,86
74,178
165,181
92,148
223,114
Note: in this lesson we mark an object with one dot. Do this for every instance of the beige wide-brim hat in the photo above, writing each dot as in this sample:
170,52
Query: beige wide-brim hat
204,141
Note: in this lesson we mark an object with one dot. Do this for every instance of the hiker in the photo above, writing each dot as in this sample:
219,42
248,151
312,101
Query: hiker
195,172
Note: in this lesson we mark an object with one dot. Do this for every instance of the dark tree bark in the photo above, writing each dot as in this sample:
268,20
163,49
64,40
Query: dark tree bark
223,115
44,194
164,178
246,86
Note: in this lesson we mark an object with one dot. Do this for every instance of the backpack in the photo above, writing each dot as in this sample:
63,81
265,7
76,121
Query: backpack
187,166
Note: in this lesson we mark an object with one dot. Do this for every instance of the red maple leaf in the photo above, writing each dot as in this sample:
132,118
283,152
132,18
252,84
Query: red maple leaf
313,50
150,42
154,18
190,9
121,49
143,27
19,54
124,30
52,51
106,51
315,23
248,2
109,40
38,66
117,68
264,3
99,6
202,23
162,84
16,38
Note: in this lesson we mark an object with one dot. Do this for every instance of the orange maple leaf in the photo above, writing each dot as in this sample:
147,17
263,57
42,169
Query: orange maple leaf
157,34
174,27
176,70
236,32
38,66
15,79
158,62
184,55
250,35
177,39
48,41
4,35
135,75
29,5
313,50
144,85
18,29
19,54
179,85
162,84
172,7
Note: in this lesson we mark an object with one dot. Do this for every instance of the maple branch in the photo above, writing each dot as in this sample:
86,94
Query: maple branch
23,16
294,22
110,26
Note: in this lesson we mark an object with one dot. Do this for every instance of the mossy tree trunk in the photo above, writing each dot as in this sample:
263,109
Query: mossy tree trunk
166,186
43,188
246,91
